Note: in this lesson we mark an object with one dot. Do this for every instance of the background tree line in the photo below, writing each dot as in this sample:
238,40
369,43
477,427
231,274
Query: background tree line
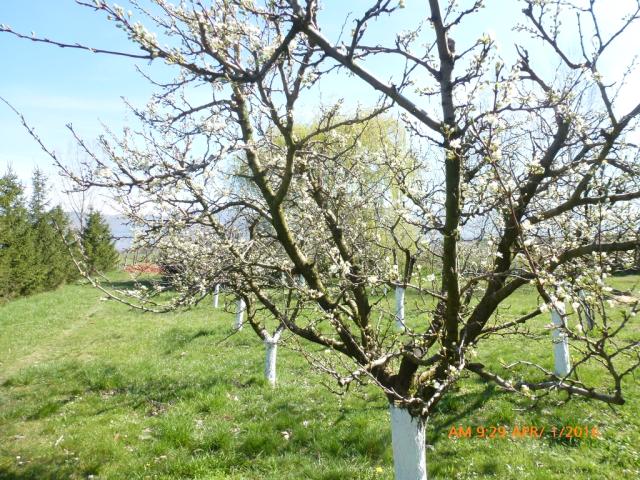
37,241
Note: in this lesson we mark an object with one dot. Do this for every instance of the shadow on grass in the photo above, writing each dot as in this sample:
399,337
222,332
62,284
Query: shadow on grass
463,410
36,472
50,407
463,405
178,338
56,468
116,388
343,413
134,284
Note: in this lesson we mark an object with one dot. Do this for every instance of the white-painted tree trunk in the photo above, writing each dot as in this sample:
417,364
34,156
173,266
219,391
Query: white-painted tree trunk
216,292
271,347
408,443
561,358
240,308
400,307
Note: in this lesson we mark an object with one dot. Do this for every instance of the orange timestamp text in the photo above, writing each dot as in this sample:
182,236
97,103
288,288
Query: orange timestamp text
524,431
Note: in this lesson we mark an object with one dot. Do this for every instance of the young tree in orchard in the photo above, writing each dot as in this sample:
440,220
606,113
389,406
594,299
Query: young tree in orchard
521,175
98,250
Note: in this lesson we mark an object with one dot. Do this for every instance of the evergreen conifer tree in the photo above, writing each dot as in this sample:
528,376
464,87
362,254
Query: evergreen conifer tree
52,234
18,265
61,260
97,242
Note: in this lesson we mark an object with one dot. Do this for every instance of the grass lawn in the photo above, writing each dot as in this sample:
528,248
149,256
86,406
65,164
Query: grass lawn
92,389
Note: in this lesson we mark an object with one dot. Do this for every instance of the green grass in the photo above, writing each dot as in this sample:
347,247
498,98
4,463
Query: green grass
92,388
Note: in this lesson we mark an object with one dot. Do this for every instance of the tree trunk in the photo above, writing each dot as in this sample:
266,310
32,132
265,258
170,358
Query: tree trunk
400,307
561,359
588,312
270,360
240,308
216,292
408,442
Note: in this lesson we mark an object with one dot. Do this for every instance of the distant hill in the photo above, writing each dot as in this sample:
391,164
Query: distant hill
120,230
118,226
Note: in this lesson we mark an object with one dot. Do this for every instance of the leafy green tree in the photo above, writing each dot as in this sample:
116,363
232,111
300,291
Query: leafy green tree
98,244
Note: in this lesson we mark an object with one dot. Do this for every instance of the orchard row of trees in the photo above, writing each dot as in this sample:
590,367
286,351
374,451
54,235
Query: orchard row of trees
37,241
527,157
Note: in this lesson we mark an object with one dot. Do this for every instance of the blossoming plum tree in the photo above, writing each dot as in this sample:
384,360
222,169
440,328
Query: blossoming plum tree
516,174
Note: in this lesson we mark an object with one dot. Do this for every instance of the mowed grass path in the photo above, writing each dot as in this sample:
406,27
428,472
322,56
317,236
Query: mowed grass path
92,389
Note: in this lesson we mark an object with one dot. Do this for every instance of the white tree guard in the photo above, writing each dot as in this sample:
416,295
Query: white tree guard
400,307
408,443
271,347
240,308
216,292
561,358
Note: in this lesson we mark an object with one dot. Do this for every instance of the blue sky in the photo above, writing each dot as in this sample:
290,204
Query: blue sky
54,86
